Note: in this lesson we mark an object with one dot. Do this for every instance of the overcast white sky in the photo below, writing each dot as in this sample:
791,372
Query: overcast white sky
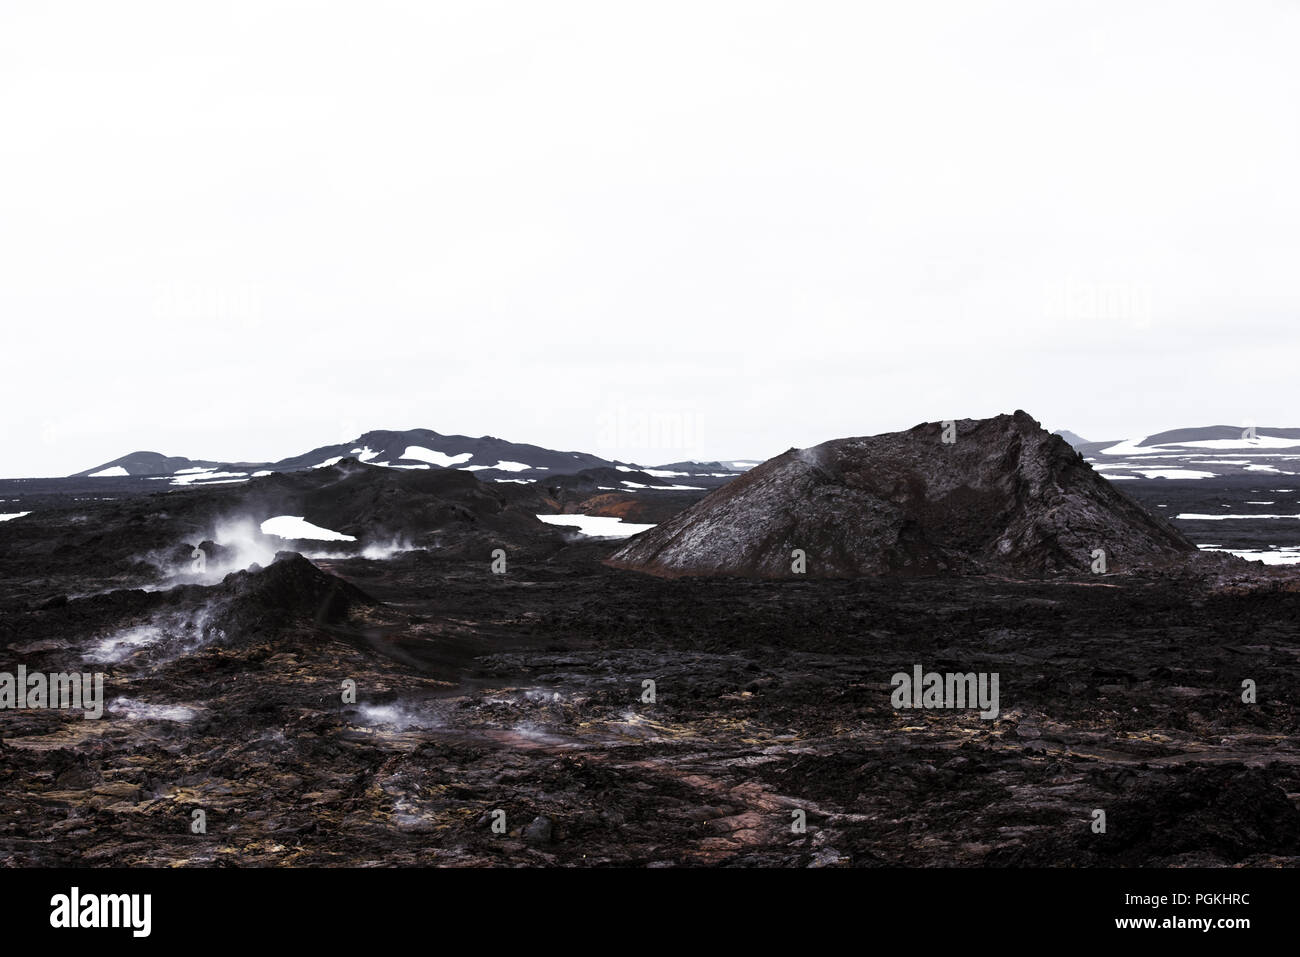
242,230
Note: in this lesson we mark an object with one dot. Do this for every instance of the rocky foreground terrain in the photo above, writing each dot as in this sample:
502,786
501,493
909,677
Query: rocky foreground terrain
523,689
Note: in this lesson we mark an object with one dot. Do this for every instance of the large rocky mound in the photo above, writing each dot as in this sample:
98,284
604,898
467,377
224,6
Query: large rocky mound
1005,495
291,588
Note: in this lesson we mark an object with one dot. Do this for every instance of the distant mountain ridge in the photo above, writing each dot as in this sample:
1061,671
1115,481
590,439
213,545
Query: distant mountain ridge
1208,452
416,449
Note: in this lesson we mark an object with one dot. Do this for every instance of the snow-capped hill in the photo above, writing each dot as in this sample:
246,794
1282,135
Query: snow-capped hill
703,469
1214,451
426,449
144,463
489,457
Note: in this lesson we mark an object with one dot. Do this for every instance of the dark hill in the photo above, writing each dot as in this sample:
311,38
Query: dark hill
1005,495
403,449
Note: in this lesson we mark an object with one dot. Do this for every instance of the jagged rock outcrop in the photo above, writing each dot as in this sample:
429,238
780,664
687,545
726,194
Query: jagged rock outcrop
1004,494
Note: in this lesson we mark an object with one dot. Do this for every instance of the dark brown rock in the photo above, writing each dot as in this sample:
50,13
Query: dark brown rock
1005,495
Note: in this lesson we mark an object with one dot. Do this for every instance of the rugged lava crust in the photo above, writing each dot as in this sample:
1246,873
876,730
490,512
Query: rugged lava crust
1003,495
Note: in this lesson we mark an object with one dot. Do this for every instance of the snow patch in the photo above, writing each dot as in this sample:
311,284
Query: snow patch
1136,446
295,527
665,488
421,454
1282,556
1173,474
597,526
208,477
1192,516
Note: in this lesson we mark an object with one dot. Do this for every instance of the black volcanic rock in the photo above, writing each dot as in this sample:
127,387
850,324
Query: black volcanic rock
1073,438
779,690
1206,816
374,504
1005,495
289,588
130,541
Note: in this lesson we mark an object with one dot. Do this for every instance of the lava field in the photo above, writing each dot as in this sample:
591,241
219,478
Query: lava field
464,686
